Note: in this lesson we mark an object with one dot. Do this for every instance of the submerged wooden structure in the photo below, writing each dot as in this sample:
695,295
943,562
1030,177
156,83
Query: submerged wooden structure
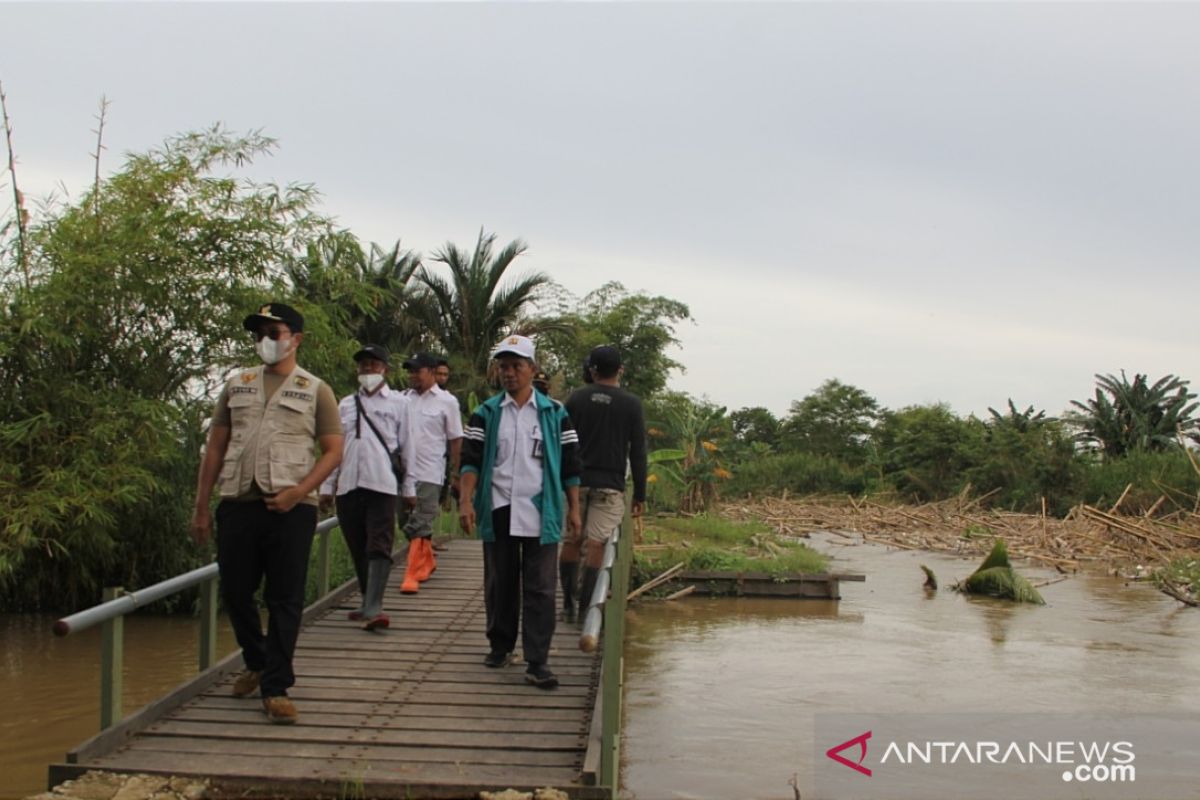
410,712
824,586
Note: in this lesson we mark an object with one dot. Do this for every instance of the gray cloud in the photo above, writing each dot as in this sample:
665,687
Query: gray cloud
931,201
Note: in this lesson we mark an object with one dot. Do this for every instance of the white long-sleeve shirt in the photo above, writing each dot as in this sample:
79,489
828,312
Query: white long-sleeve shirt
433,421
365,462
517,472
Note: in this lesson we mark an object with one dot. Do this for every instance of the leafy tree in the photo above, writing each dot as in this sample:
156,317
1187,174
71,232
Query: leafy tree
755,430
1025,456
925,451
131,315
466,315
641,326
1124,417
836,420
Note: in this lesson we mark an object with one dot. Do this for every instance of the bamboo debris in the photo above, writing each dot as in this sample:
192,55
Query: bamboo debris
964,526
655,581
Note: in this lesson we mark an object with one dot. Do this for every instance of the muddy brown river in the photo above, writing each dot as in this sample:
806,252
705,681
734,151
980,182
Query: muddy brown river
722,693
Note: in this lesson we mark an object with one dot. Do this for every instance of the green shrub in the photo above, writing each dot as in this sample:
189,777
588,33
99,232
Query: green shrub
798,473
1153,474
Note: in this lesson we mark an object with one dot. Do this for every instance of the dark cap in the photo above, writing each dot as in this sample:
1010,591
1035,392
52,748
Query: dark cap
605,359
541,379
373,351
419,360
275,312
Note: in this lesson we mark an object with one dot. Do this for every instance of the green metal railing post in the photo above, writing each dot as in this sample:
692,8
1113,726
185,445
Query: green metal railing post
112,663
613,675
208,624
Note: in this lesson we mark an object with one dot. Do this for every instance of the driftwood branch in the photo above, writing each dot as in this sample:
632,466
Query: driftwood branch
658,580
1172,589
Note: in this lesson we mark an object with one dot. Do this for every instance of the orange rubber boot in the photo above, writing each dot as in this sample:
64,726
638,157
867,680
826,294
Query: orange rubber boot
428,561
412,583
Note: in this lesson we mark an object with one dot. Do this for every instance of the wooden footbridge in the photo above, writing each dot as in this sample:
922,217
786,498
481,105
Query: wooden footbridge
411,712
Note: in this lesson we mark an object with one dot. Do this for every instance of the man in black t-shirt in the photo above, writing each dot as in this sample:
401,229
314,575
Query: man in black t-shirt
612,432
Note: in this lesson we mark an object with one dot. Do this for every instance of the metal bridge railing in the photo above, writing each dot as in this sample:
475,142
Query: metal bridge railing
110,614
607,614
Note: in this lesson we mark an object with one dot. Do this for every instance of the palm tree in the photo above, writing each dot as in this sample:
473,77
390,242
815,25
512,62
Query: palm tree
366,289
391,323
468,313
1125,416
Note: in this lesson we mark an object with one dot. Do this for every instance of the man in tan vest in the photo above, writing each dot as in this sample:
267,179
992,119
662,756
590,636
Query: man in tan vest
260,451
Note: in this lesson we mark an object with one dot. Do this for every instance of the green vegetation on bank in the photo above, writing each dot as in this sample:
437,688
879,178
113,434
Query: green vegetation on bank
709,543
839,441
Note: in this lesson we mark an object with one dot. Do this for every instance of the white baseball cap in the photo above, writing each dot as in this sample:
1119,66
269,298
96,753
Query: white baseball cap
514,345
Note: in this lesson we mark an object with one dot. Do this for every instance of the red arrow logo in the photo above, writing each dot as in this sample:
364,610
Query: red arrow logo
860,740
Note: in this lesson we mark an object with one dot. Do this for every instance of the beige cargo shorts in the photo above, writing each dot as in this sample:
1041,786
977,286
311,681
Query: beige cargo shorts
602,511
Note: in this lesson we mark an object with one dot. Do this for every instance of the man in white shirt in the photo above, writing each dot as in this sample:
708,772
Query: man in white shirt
434,430
520,485
365,484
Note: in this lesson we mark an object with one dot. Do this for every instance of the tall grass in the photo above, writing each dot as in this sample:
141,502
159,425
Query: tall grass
709,543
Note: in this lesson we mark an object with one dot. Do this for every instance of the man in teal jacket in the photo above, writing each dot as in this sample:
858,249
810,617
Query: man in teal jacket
520,457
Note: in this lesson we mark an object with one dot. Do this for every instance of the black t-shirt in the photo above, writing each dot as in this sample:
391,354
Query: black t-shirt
612,429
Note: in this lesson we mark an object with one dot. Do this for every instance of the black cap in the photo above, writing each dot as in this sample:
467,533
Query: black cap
419,360
605,359
275,312
373,351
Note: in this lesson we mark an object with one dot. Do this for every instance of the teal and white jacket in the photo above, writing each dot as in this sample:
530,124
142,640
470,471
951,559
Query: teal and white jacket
560,465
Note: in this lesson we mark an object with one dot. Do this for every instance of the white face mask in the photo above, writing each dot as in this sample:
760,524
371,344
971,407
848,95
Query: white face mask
370,382
272,351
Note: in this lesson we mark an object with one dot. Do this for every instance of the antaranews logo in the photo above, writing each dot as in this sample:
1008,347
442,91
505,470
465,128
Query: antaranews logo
835,753
1094,756
1051,756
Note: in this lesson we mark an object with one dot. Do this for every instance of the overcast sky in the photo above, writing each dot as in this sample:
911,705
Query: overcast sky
933,202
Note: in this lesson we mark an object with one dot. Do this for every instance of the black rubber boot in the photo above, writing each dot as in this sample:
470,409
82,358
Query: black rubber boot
585,592
378,570
568,573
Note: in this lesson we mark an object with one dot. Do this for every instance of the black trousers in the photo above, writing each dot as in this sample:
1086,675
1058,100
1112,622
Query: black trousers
368,522
254,543
520,577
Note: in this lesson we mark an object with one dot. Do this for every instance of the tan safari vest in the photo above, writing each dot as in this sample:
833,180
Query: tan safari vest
270,439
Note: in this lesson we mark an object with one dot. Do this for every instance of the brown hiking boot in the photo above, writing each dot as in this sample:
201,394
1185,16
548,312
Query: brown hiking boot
246,683
280,710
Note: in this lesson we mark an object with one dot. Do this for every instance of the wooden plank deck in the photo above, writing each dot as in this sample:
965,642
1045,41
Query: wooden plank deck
409,712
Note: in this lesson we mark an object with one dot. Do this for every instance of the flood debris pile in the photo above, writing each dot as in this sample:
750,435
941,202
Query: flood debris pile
997,578
1155,545
964,526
